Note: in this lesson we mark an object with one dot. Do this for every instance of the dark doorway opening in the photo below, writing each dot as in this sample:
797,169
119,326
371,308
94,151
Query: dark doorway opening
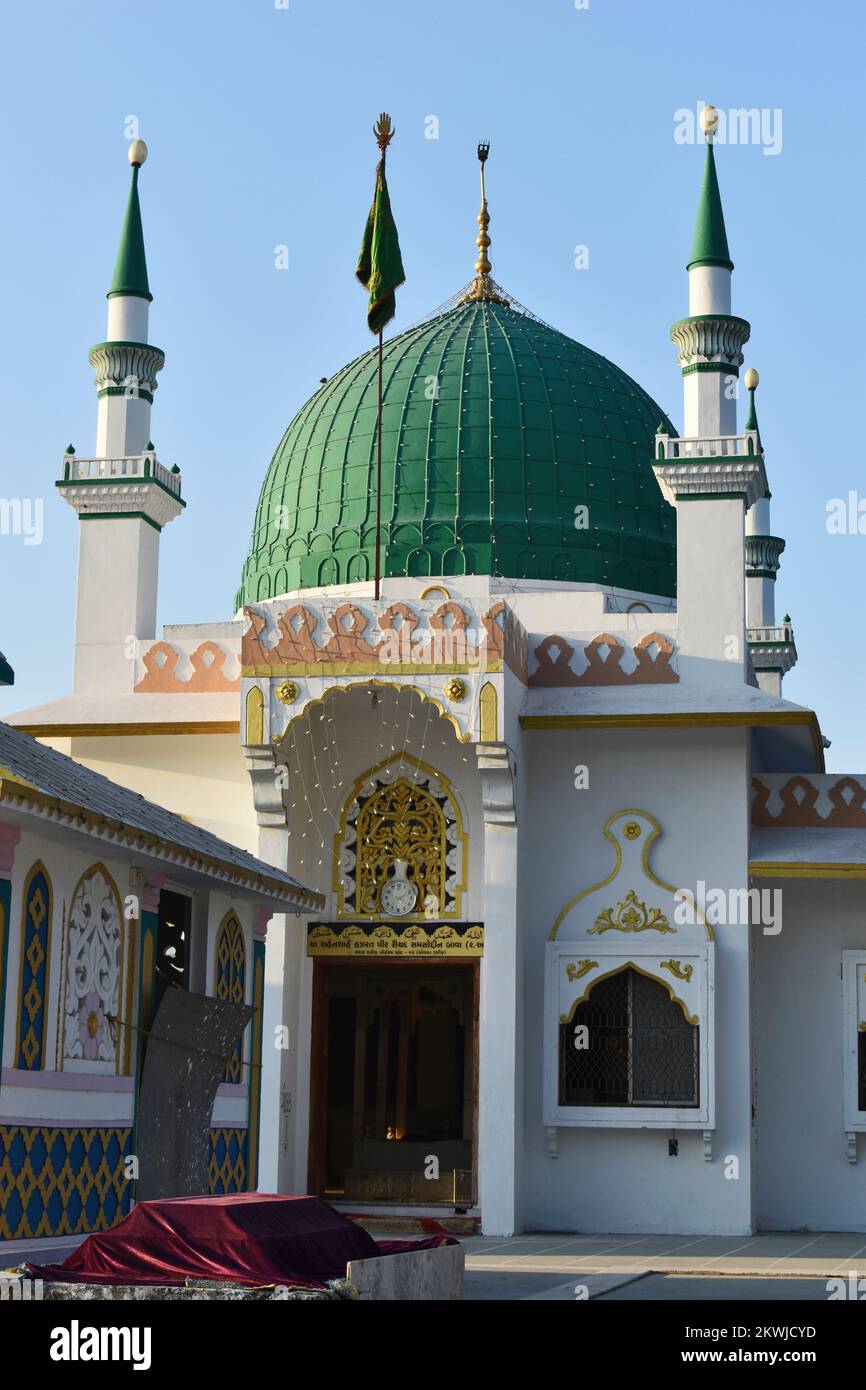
172,943
394,1082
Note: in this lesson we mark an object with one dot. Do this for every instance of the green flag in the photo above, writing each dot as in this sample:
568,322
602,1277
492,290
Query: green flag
380,266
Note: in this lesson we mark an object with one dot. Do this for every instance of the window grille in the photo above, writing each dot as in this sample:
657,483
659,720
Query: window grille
637,1049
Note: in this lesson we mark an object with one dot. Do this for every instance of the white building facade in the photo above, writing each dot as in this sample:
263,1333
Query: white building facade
568,975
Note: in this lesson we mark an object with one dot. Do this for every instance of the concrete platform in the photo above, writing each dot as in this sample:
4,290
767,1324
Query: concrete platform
776,1253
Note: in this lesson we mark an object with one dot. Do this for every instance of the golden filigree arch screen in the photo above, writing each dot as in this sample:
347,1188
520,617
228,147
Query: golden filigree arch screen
401,811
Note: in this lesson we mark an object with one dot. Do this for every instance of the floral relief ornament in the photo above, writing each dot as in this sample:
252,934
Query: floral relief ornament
92,972
91,1020
631,916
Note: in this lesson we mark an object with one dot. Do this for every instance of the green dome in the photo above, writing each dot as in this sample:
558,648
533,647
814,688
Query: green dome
495,429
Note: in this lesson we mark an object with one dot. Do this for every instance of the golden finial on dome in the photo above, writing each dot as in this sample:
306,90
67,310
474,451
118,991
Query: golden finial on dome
482,286
482,241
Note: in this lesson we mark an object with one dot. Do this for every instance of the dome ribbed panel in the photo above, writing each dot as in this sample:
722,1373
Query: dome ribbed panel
495,428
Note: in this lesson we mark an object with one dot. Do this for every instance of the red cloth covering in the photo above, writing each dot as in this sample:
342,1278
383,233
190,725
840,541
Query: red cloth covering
249,1238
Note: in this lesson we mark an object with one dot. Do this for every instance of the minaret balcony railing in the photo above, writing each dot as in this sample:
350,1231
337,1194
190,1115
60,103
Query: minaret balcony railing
144,467
784,633
725,446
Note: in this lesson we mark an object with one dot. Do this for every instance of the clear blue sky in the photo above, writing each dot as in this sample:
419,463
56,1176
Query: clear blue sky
258,122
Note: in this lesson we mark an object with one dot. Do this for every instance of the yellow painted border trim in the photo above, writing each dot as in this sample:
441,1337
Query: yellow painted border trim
340,836
660,883
435,589
325,669
364,685
195,726
780,868
680,720
617,970
37,867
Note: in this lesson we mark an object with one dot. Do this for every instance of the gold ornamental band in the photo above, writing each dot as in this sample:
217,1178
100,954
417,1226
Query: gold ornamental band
460,941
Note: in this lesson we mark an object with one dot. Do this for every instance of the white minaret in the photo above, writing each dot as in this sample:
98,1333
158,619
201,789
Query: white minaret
762,549
710,340
712,475
123,495
772,648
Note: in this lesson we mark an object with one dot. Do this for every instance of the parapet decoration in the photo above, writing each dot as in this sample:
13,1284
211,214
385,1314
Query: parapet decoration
162,662
401,641
351,641
822,799
603,656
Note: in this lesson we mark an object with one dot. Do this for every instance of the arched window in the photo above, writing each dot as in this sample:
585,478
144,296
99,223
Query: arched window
94,974
33,987
629,1043
230,982
401,817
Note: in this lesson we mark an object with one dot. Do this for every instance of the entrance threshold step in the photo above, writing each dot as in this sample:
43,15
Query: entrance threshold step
382,1223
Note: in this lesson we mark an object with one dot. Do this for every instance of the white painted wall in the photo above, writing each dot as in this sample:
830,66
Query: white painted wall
122,426
711,591
709,290
709,408
118,563
127,319
200,776
695,782
803,1178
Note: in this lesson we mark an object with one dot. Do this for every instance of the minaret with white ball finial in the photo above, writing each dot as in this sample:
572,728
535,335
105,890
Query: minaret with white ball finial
710,340
711,475
772,649
762,549
123,495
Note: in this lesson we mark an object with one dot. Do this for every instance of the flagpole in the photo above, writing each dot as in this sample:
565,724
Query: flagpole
370,274
379,474
384,135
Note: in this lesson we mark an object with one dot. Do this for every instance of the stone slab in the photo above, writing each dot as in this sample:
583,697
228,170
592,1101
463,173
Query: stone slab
430,1276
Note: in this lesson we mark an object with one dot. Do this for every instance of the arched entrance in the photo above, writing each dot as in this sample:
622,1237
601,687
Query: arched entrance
394,1082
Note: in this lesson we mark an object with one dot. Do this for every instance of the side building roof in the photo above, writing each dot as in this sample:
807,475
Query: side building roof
39,781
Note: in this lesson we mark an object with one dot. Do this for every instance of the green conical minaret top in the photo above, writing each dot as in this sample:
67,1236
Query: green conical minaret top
130,268
710,241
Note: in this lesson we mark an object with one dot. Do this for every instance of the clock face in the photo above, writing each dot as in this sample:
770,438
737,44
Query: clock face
398,896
